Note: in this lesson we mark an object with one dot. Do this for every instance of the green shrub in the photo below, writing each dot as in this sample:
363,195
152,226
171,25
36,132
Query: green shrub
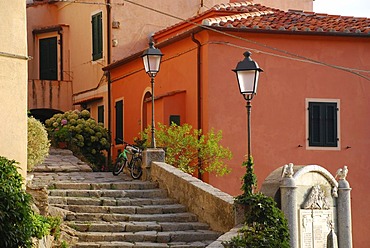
265,224
18,223
189,149
38,143
82,134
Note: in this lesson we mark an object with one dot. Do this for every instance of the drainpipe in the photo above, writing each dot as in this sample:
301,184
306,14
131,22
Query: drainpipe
60,32
199,95
109,59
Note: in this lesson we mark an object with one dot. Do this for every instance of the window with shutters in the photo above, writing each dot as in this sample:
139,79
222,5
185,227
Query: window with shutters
97,36
323,124
119,122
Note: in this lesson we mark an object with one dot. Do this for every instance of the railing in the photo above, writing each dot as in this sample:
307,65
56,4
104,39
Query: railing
50,94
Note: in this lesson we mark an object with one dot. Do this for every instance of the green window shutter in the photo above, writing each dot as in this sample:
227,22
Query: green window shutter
97,36
119,122
48,58
323,124
101,114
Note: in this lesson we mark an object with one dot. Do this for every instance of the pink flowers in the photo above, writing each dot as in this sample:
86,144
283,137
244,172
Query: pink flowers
64,122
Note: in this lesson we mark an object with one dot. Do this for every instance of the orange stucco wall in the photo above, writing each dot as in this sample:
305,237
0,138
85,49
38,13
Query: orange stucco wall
279,110
279,126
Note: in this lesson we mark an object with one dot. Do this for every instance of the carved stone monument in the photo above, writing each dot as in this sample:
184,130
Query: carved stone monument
317,207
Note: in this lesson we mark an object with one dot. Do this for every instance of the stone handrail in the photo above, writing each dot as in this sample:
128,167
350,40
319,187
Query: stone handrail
211,205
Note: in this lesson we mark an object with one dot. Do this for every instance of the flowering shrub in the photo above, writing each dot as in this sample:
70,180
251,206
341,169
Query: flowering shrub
191,150
82,134
38,143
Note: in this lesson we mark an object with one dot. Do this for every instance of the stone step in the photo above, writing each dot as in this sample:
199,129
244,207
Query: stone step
145,193
108,201
122,244
151,209
135,226
127,185
149,236
175,217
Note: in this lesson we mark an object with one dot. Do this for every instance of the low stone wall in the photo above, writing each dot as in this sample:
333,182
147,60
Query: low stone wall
211,205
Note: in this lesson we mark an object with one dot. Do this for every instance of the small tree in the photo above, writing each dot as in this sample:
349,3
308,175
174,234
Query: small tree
190,150
38,143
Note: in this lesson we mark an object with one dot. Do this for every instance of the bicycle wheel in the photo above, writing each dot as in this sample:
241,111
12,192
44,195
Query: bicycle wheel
118,166
136,170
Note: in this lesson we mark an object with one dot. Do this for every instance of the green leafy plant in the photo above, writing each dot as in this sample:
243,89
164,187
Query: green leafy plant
83,135
189,149
265,224
38,143
18,223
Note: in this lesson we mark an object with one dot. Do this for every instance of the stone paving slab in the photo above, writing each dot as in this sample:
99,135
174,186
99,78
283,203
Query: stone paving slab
62,160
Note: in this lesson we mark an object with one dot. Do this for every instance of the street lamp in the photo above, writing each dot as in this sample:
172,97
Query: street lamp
152,61
247,73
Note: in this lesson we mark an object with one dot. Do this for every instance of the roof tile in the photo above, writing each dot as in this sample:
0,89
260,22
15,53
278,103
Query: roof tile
250,15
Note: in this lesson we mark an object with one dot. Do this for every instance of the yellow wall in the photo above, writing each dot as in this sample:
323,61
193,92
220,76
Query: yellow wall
13,82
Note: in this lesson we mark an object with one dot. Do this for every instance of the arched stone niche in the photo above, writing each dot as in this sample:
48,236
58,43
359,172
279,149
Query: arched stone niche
314,204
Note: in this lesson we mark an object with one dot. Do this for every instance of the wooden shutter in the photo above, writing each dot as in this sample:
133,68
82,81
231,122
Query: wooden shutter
101,114
48,58
323,124
119,122
97,36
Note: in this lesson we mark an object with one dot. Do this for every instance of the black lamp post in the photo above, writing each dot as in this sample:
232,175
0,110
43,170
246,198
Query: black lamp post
152,60
247,73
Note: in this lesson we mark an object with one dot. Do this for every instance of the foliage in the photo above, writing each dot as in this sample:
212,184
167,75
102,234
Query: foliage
38,143
82,134
189,149
18,223
265,224
249,178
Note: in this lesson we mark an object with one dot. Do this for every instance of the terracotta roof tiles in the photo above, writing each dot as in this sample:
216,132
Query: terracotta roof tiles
255,16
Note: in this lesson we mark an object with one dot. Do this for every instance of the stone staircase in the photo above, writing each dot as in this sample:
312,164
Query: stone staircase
126,214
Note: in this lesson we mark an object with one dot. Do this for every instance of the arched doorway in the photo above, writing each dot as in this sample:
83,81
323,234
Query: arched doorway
144,118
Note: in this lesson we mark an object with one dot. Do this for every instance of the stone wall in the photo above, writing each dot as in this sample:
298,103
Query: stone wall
210,204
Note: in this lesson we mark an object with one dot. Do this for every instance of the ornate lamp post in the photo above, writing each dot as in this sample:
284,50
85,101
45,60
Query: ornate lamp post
247,73
152,61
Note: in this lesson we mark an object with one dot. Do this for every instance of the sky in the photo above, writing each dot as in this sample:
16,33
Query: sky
357,8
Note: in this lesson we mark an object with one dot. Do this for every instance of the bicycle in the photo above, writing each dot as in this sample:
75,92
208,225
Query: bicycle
132,156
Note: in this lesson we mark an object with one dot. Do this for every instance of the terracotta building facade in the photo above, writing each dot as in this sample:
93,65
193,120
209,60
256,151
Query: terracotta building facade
313,70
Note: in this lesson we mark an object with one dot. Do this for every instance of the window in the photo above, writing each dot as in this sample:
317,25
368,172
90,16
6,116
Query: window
48,58
175,119
119,122
97,36
101,114
323,124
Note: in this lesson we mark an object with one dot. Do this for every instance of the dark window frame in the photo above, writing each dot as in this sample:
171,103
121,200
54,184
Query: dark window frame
97,36
323,124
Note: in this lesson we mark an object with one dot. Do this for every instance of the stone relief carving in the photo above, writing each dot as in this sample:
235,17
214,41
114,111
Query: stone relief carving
288,170
334,192
316,199
342,173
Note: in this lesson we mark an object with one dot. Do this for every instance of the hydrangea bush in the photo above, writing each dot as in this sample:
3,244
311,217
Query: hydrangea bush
38,143
82,134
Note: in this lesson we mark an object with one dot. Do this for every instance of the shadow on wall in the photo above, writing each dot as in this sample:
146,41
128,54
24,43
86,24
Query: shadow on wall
43,114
